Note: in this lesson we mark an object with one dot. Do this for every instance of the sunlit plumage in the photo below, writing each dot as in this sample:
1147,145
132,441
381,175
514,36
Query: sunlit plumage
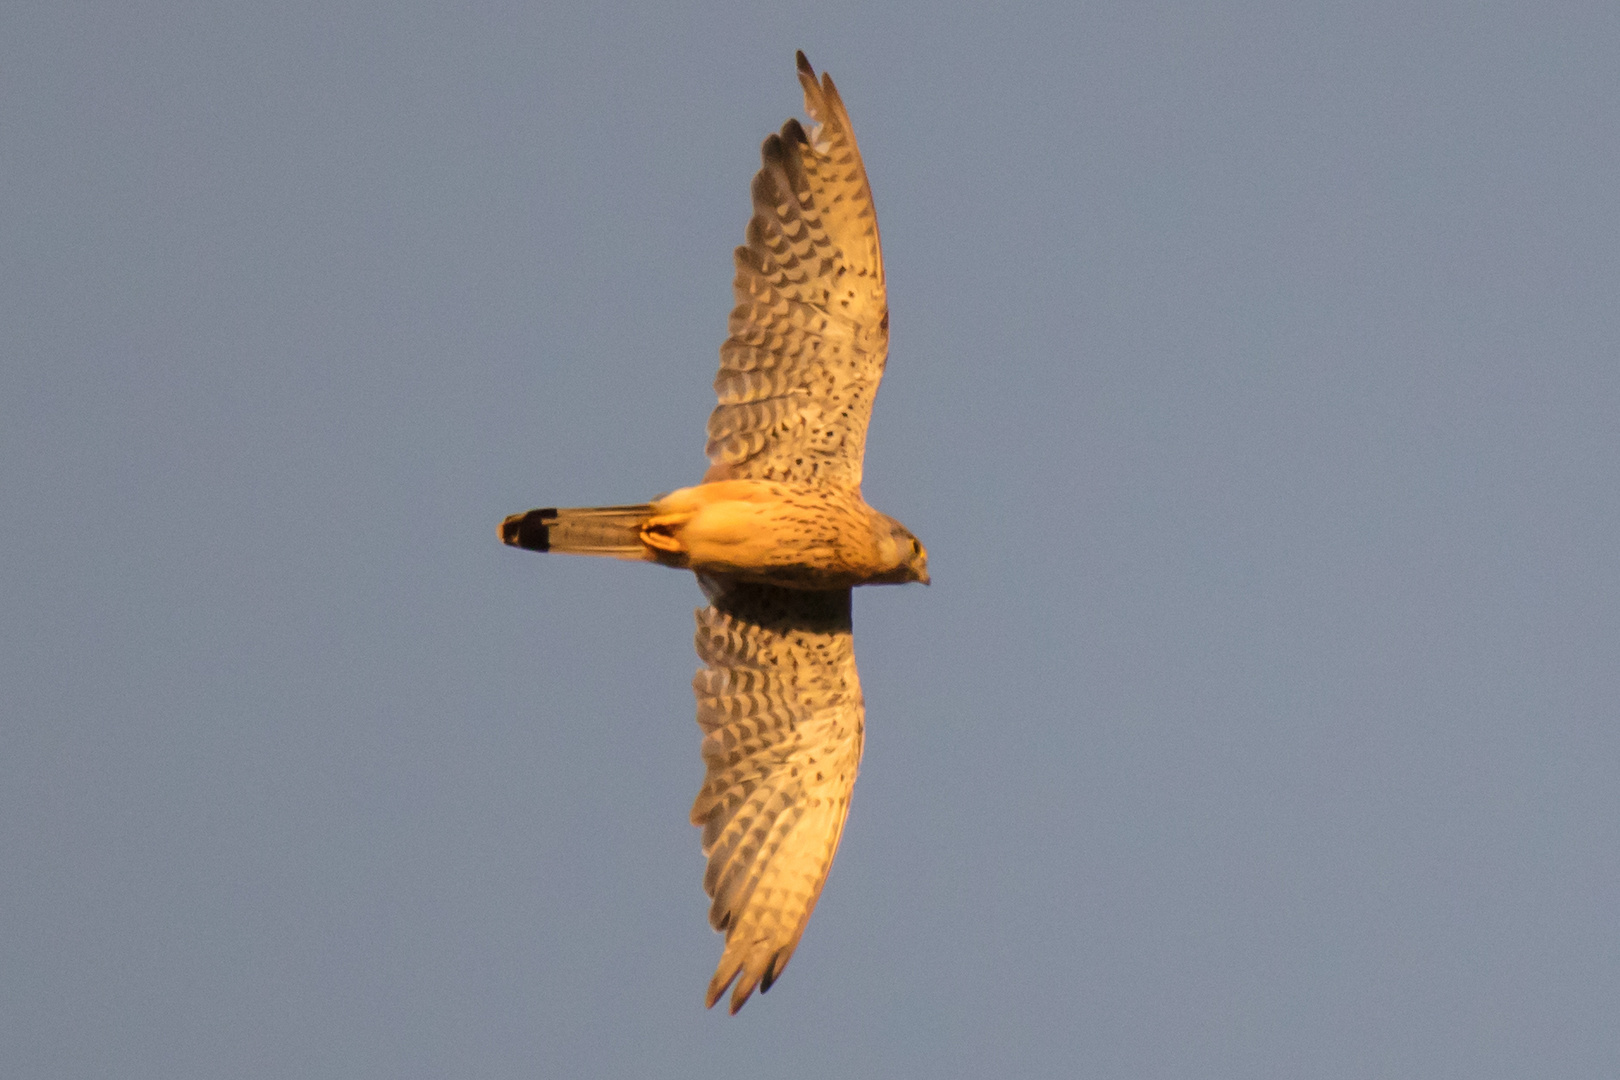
778,534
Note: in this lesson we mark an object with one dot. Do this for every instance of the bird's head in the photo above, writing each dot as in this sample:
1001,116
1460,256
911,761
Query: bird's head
903,554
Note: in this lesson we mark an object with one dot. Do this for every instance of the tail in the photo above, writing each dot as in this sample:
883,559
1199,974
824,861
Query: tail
614,531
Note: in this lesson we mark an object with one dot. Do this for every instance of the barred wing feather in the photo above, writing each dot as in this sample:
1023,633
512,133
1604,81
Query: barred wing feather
782,716
810,332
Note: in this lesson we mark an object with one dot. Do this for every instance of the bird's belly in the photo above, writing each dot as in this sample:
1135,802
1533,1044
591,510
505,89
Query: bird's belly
763,532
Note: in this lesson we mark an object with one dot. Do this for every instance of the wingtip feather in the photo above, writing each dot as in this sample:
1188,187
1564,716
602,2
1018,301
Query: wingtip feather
743,991
722,982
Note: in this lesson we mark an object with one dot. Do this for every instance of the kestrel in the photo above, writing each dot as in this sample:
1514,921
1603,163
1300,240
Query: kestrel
778,534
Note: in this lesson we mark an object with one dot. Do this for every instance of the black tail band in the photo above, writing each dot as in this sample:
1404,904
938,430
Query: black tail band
530,530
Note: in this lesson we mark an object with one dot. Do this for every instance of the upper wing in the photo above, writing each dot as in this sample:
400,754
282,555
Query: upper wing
810,331
782,716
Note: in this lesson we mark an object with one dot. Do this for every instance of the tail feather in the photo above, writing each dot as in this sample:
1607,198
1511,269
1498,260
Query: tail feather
614,531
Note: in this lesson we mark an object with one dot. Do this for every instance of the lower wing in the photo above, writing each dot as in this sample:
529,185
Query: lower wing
782,716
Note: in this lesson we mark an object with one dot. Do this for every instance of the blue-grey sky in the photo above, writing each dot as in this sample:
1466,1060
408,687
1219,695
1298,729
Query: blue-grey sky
1255,383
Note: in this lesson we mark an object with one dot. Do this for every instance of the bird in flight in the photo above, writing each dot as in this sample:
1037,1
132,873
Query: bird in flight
778,534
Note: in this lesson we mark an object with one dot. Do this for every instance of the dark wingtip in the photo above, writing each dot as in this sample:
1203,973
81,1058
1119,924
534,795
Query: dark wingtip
804,63
529,531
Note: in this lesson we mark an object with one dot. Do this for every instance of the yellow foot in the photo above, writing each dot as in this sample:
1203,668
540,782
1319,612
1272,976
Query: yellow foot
659,532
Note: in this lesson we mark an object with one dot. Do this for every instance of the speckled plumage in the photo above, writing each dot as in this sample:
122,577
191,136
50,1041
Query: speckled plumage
810,332
778,534
783,720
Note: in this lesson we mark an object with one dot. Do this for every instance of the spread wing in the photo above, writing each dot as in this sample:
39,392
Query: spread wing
782,717
810,331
